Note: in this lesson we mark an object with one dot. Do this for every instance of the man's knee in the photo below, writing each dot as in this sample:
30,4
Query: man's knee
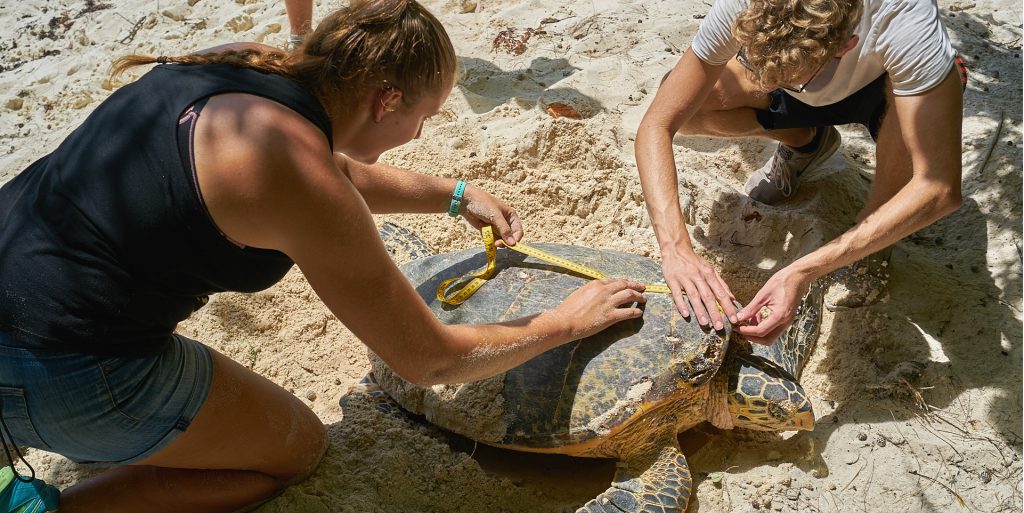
699,122
707,116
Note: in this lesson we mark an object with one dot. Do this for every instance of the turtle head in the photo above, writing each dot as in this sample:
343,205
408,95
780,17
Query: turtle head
763,396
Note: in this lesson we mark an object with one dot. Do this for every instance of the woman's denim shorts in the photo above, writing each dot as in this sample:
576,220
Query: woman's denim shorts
103,410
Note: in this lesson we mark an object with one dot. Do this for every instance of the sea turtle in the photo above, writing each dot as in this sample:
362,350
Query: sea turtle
624,393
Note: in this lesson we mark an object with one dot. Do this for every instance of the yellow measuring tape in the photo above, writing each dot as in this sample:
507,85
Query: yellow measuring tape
480,277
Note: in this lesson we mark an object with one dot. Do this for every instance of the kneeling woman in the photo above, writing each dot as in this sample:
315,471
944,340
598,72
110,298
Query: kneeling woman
217,172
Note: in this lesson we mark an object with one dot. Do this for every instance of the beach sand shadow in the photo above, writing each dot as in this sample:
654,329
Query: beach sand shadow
487,86
946,309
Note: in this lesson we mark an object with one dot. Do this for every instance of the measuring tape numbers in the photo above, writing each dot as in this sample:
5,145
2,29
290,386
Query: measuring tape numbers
478,278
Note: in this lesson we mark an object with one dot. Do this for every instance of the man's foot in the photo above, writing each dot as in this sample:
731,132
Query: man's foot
862,283
780,177
17,496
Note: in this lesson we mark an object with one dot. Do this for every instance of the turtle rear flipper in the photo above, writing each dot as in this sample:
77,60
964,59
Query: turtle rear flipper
655,480
367,394
402,244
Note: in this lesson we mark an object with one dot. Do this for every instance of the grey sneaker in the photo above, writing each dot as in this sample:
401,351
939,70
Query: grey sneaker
780,177
862,283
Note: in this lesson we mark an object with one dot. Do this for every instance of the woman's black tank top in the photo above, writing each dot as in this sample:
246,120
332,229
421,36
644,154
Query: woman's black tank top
104,243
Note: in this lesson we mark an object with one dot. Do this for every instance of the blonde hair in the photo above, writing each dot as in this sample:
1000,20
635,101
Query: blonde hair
784,40
366,45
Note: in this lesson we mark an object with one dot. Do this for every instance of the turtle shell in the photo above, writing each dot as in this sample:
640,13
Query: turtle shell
578,392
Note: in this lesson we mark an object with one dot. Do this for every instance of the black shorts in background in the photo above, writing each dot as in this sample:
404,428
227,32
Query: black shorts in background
866,106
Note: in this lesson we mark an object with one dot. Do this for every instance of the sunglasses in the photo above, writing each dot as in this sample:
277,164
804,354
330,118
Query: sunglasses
742,58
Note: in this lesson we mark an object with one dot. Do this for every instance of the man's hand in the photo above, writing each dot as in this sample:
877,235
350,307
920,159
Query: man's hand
773,308
483,209
680,96
693,276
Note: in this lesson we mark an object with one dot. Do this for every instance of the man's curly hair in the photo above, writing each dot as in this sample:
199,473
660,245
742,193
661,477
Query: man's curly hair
785,40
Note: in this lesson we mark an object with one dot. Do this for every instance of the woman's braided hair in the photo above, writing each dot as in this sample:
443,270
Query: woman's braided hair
785,40
366,45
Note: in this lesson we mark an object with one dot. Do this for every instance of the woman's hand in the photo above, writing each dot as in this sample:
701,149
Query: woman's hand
599,304
483,209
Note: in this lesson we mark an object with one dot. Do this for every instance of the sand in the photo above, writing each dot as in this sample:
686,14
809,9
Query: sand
951,442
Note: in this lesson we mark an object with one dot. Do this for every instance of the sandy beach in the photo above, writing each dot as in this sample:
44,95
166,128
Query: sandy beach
918,399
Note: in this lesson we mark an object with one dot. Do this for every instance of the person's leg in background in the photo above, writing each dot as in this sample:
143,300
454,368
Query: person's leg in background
300,20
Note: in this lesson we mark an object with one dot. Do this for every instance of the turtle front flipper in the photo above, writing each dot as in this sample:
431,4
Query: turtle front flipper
793,348
655,480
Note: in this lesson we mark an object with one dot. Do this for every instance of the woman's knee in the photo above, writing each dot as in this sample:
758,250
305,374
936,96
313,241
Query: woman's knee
301,439
311,446
249,423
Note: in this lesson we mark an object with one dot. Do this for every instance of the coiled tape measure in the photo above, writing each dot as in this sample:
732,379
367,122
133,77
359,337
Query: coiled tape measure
458,295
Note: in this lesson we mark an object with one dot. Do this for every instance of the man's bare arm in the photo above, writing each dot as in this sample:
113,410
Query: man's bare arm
680,96
930,127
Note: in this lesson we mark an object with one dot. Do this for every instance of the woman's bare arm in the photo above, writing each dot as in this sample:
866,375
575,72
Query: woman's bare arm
270,181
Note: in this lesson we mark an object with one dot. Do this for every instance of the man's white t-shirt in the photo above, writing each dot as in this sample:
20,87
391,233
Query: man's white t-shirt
902,37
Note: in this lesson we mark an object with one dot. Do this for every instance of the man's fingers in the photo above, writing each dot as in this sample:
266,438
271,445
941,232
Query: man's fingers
751,311
766,330
504,230
725,298
707,312
688,305
755,333
759,341
761,335
680,300
697,305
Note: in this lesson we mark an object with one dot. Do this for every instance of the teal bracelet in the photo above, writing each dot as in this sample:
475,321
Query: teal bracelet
456,204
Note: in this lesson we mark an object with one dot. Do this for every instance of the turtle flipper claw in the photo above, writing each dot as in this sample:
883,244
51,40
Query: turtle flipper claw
594,506
655,482
368,392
